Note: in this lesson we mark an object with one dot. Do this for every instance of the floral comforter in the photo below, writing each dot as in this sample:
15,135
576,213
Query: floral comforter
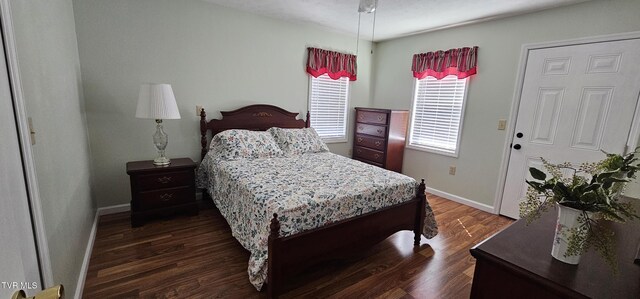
307,191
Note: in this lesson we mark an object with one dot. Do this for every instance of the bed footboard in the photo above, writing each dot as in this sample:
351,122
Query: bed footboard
292,254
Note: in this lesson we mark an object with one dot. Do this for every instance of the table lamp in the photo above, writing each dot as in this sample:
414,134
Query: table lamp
157,101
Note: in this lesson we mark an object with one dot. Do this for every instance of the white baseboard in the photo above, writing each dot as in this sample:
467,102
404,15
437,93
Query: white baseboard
92,238
462,200
114,209
87,257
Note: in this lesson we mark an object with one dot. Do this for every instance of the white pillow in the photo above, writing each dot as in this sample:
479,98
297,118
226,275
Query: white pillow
245,144
298,141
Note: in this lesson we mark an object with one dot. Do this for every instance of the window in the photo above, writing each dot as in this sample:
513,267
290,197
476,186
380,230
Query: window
436,118
328,100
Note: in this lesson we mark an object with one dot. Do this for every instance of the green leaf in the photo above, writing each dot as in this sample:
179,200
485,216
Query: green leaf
615,180
605,175
589,197
591,187
535,185
537,174
561,189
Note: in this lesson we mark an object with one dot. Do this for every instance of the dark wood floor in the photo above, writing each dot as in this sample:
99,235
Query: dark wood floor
196,257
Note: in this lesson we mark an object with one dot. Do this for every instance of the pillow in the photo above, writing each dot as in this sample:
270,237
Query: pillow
298,141
244,144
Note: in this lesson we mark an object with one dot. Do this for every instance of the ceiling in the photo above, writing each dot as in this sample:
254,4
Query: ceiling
394,18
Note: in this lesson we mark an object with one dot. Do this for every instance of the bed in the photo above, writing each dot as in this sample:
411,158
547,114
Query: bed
281,207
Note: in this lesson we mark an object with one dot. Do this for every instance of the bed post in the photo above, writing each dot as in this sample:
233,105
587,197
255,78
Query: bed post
420,212
273,271
307,123
203,133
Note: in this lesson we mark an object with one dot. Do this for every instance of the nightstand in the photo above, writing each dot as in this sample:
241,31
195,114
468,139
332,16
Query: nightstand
161,190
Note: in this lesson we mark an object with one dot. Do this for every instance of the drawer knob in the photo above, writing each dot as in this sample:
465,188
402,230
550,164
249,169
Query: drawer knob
359,151
378,143
166,196
359,139
164,180
379,131
376,156
380,118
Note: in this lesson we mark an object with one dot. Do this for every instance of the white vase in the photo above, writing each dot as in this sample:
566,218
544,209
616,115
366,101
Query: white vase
567,219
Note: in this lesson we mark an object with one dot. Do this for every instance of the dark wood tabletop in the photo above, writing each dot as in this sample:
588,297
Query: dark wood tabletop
147,166
525,250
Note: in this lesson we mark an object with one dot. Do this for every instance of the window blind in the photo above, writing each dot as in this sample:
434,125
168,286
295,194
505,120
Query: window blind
328,106
437,114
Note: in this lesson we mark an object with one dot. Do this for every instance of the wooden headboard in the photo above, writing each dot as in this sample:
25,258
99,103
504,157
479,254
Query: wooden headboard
253,117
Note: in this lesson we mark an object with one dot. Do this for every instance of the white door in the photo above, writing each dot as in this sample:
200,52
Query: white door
18,259
575,102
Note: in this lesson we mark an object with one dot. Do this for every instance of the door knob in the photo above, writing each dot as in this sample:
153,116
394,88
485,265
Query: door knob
519,135
56,292
517,146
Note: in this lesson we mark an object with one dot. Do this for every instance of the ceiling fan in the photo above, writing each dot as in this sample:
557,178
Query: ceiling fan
366,6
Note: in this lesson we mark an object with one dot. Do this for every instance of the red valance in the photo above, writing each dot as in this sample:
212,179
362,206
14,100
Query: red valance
334,64
439,64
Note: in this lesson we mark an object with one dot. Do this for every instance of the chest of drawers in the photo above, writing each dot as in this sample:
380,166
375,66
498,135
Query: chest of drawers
379,137
161,190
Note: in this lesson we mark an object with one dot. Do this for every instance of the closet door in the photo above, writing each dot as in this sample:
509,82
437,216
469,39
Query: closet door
18,258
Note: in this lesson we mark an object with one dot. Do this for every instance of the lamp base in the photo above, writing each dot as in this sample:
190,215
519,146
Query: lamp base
161,161
160,140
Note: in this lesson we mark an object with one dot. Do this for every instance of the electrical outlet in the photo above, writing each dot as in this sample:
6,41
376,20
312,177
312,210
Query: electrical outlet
452,170
502,124
198,109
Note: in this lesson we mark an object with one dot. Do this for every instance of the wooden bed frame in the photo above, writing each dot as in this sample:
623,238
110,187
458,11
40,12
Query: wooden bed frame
291,254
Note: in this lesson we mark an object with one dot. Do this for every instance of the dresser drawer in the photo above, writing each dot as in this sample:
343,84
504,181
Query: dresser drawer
368,162
165,197
371,130
369,154
370,142
165,180
372,117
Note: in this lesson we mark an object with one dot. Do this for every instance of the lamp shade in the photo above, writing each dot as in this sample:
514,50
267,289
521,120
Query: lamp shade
157,101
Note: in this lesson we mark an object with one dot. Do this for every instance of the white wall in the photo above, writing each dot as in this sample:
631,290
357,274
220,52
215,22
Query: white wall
50,72
491,90
212,55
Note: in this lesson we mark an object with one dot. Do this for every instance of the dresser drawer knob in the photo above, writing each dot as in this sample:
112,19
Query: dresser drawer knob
164,180
359,151
380,117
379,131
359,139
376,156
166,196
378,143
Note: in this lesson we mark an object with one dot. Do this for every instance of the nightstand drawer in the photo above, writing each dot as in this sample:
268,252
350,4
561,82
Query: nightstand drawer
369,154
165,180
370,142
372,117
166,197
372,130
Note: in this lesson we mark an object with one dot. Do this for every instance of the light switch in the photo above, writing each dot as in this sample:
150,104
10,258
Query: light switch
452,170
502,124
198,109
